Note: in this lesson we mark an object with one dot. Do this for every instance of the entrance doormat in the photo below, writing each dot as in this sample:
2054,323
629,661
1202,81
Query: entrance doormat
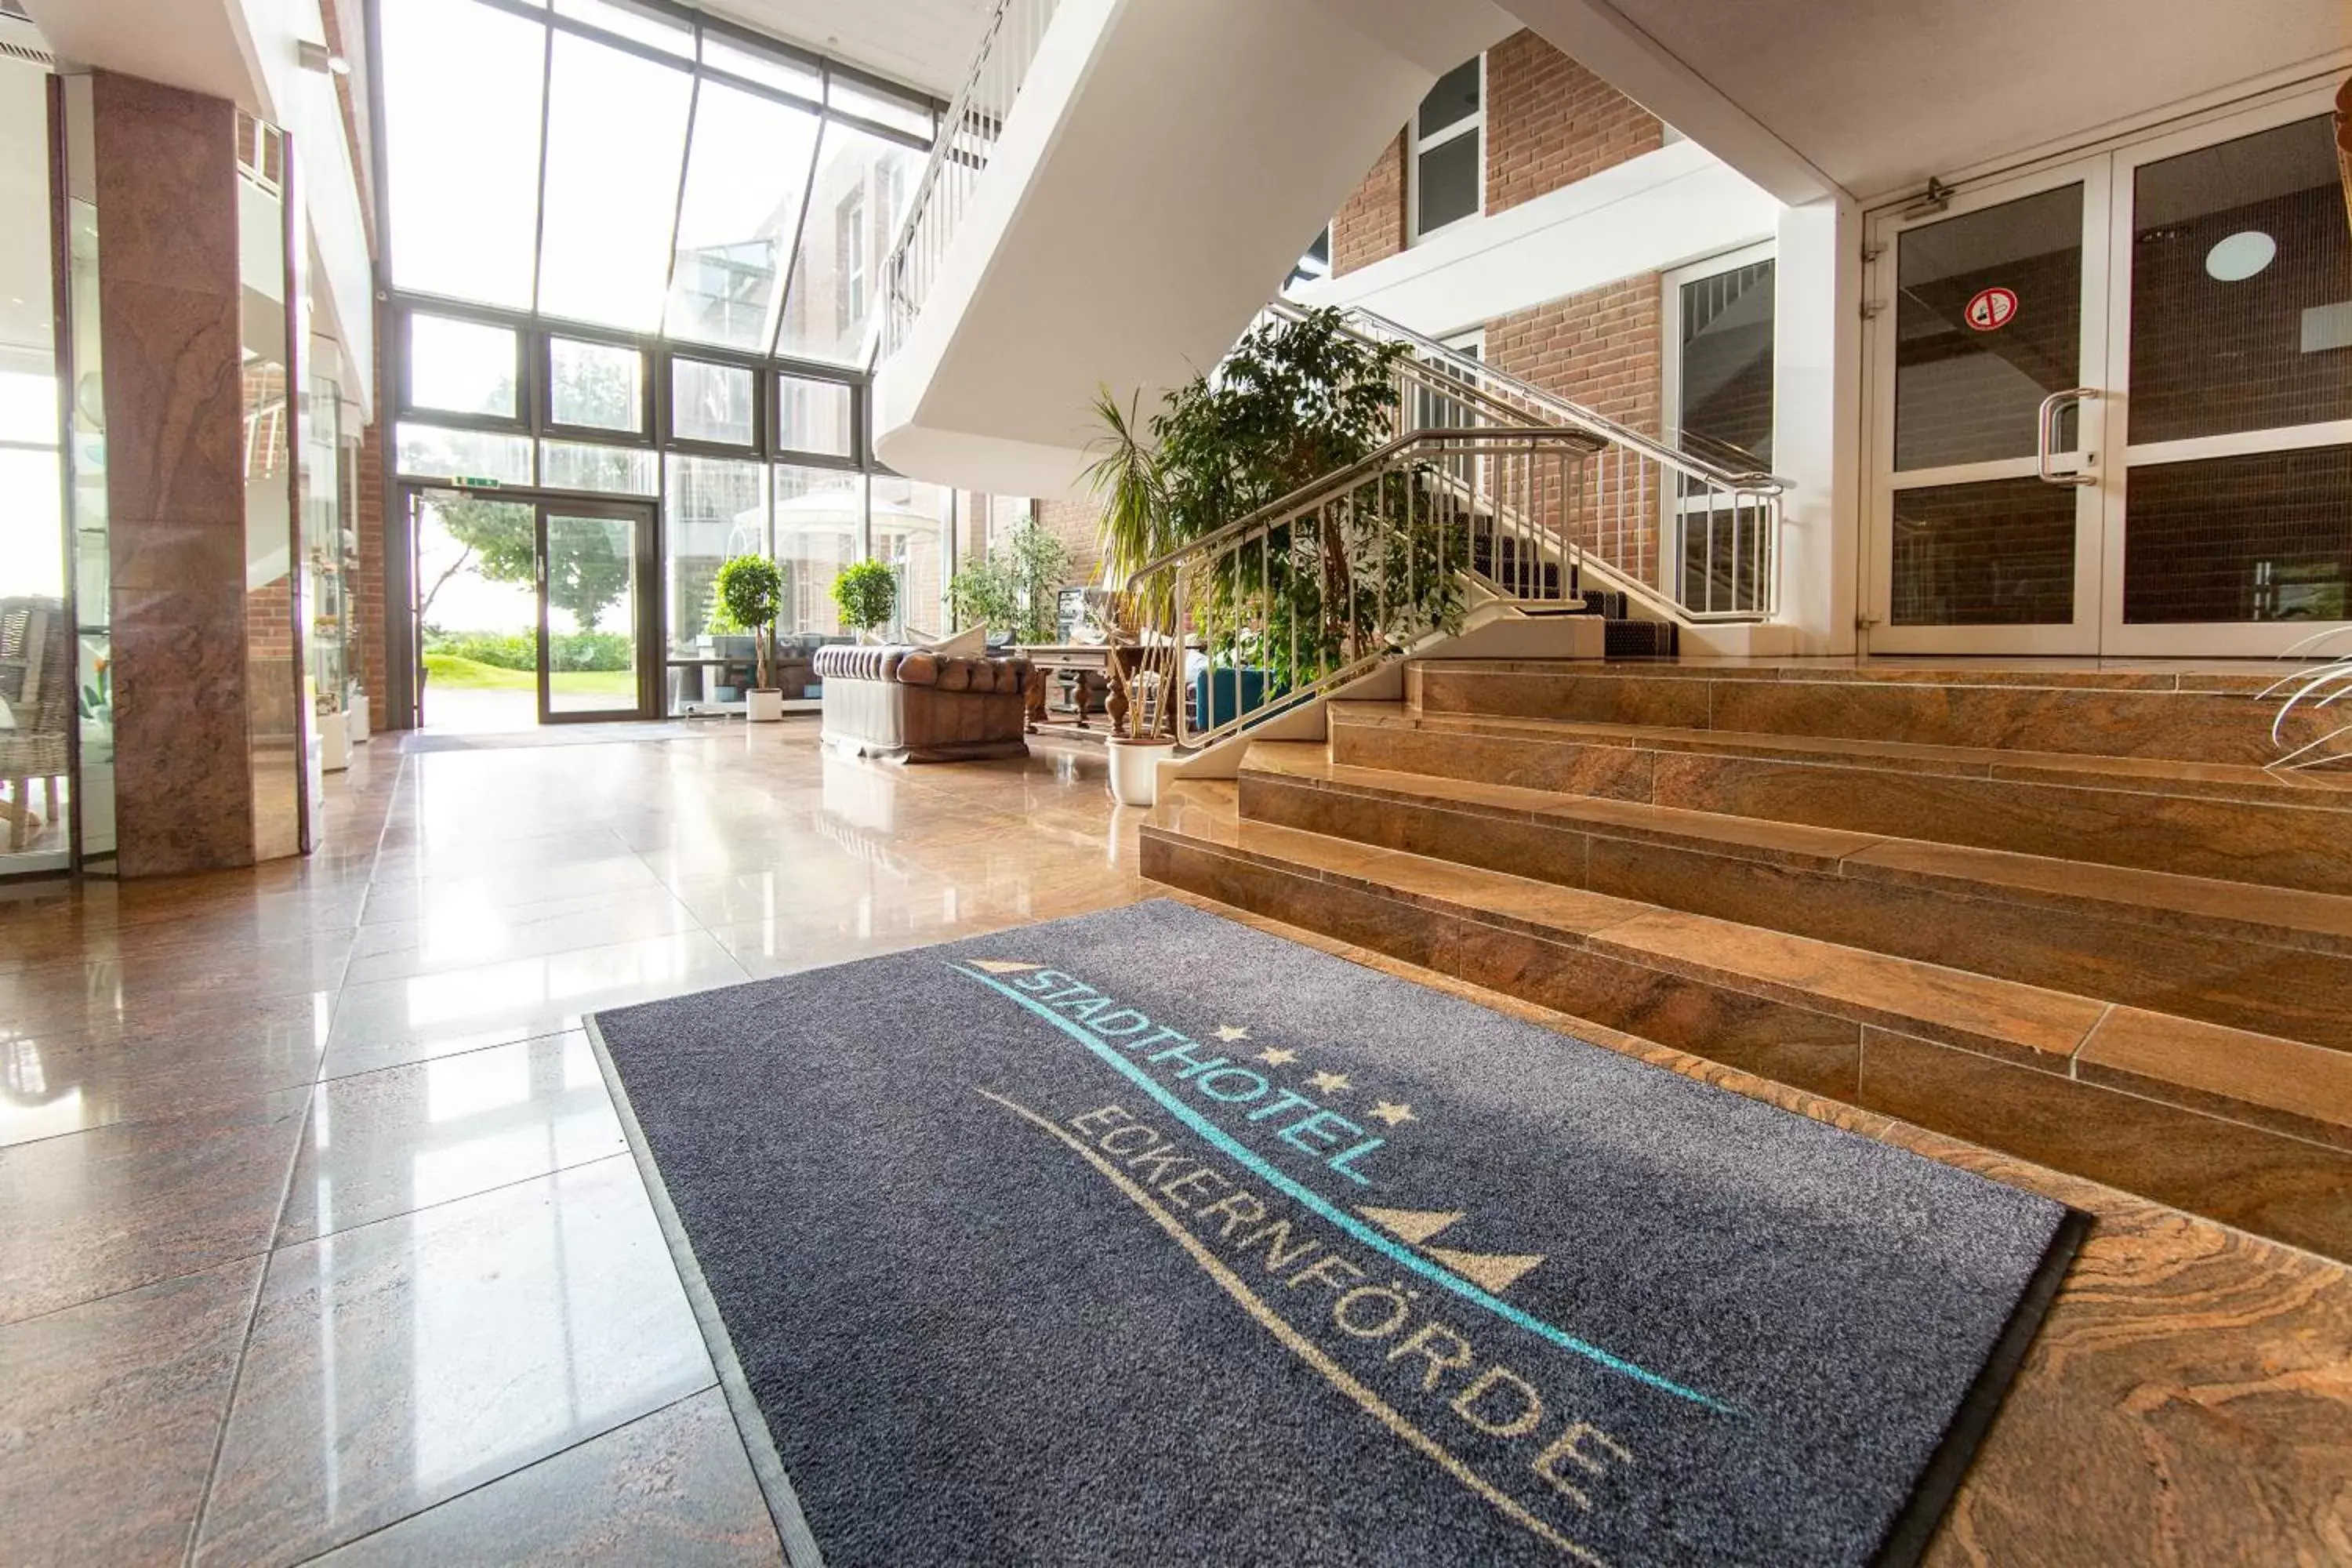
1147,1236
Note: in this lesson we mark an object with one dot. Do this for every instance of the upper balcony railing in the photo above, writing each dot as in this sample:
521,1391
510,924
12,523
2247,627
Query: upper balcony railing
967,142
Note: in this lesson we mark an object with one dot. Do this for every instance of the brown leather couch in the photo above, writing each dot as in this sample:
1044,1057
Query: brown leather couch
912,705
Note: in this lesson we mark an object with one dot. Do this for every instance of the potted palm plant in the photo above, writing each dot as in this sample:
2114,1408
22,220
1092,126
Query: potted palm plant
1125,479
865,594
751,590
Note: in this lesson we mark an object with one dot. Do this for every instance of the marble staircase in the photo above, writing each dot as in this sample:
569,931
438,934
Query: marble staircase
2061,912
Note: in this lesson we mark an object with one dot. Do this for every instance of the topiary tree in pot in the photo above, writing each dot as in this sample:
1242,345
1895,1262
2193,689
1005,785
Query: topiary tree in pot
750,590
865,594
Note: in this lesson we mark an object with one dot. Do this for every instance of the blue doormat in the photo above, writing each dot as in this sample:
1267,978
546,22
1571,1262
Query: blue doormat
1146,1237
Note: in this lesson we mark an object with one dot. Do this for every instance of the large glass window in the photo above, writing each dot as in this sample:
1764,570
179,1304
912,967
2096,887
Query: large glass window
820,529
714,509
914,531
1449,150
38,691
711,402
616,140
591,466
434,451
461,367
462,88
1720,319
814,416
595,387
570,172
736,223
663,232
860,193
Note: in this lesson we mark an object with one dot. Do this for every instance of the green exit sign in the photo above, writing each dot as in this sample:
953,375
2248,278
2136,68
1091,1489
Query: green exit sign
467,482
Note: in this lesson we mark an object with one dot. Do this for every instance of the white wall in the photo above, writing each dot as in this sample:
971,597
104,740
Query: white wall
1817,419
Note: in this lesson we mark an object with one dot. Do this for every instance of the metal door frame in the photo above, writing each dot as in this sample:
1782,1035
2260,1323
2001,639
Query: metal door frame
650,656
2080,635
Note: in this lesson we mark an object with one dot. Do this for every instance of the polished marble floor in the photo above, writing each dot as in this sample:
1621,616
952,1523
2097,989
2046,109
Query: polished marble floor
321,1238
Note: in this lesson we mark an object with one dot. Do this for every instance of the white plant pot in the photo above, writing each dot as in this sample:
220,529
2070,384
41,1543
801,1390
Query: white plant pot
1135,770
765,705
334,741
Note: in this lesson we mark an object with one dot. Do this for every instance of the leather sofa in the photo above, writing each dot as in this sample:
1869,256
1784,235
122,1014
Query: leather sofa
912,705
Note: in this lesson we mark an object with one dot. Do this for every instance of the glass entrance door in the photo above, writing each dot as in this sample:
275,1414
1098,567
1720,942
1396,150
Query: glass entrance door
2112,403
596,623
2229,513
1989,347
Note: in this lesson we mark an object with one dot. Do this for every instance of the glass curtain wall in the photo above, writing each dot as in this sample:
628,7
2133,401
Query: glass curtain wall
275,616
38,693
645,262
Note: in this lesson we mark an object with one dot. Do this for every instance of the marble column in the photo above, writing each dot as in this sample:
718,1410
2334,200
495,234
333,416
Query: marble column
169,301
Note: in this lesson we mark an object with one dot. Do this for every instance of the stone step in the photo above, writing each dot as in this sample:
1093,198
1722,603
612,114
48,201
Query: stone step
2276,961
2185,716
2252,1129
2201,819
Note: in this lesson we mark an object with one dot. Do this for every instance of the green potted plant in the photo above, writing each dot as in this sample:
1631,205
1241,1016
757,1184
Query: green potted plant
750,589
1127,480
865,594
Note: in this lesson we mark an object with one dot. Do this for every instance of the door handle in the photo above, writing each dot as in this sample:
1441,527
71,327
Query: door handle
2046,438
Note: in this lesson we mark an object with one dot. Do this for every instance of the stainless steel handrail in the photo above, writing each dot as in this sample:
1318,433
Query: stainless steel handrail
1404,538
1369,327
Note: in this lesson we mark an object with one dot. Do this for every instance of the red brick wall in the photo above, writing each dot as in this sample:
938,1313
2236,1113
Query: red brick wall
371,635
1077,524
1370,224
1602,349
1550,122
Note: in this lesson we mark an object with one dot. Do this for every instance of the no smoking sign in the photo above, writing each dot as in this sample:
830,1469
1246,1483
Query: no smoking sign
1989,309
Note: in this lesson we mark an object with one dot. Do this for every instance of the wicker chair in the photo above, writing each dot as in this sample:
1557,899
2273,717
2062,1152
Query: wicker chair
36,683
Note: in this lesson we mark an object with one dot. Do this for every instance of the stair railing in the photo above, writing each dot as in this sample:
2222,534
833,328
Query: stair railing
1364,565
1689,537
967,140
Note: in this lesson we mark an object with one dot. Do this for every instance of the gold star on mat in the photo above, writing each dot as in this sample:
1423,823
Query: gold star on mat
1329,1082
1275,1056
1393,1114
1227,1033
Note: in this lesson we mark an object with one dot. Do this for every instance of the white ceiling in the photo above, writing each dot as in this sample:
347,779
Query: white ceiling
922,43
1878,95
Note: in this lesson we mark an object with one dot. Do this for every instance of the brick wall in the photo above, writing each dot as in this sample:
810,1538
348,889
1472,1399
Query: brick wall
1370,224
1550,122
272,679
1077,524
372,659
1602,349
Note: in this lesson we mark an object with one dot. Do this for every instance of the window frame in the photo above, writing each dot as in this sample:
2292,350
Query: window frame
534,395
547,424
1674,506
1417,146
1671,284
697,25
403,377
